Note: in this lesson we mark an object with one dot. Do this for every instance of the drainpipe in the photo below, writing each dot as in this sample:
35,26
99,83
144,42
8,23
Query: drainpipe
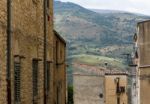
8,52
45,49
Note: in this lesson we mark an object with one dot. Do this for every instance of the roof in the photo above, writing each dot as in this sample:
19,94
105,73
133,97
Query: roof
143,21
116,73
88,70
57,34
100,71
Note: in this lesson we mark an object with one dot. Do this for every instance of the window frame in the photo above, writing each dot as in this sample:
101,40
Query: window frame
35,70
48,75
17,81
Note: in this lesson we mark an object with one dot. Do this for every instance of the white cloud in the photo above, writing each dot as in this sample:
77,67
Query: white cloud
140,1
133,10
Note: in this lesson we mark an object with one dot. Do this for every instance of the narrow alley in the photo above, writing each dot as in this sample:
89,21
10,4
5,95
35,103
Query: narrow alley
64,52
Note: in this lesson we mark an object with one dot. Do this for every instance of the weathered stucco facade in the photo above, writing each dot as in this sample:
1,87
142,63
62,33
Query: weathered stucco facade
143,63
88,89
59,70
3,21
116,88
100,87
30,82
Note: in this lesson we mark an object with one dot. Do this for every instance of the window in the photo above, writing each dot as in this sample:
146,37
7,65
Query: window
48,76
48,9
118,100
118,85
48,4
135,37
57,49
35,79
17,82
61,53
122,89
59,96
136,54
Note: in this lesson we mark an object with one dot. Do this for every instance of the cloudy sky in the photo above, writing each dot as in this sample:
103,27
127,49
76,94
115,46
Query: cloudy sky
137,6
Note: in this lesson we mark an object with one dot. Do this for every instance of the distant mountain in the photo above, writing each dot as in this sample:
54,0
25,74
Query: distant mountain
107,11
95,32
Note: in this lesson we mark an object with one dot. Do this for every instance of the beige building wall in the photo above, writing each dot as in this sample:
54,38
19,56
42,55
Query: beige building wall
144,86
88,89
3,84
28,35
59,70
27,44
143,43
111,96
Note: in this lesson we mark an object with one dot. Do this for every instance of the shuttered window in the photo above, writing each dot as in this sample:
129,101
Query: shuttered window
59,96
17,68
56,52
48,3
48,76
35,79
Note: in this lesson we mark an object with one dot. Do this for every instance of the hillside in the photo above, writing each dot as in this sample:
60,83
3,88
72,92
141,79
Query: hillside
100,33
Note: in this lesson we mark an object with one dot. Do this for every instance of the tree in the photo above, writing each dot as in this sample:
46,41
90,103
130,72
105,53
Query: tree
70,95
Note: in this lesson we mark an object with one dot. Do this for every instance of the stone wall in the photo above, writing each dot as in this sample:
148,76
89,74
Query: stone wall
88,89
3,83
99,89
143,42
28,42
59,70
110,89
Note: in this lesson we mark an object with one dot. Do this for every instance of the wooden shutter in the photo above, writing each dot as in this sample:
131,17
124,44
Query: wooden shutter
48,76
35,80
48,4
17,81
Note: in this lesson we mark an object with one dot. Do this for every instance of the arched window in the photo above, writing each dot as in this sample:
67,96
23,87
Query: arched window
136,55
135,37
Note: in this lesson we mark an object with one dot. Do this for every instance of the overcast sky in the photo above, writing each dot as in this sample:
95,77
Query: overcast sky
137,6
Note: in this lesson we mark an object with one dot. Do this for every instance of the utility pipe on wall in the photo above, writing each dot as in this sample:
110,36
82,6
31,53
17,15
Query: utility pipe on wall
8,69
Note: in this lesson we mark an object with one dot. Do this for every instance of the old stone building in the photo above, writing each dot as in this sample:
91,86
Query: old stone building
135,82
31,71
142,60
59,70
100,86
88,89
134,86
116,88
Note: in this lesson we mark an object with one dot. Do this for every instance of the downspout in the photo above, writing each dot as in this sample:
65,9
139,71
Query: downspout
45,49
8,69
